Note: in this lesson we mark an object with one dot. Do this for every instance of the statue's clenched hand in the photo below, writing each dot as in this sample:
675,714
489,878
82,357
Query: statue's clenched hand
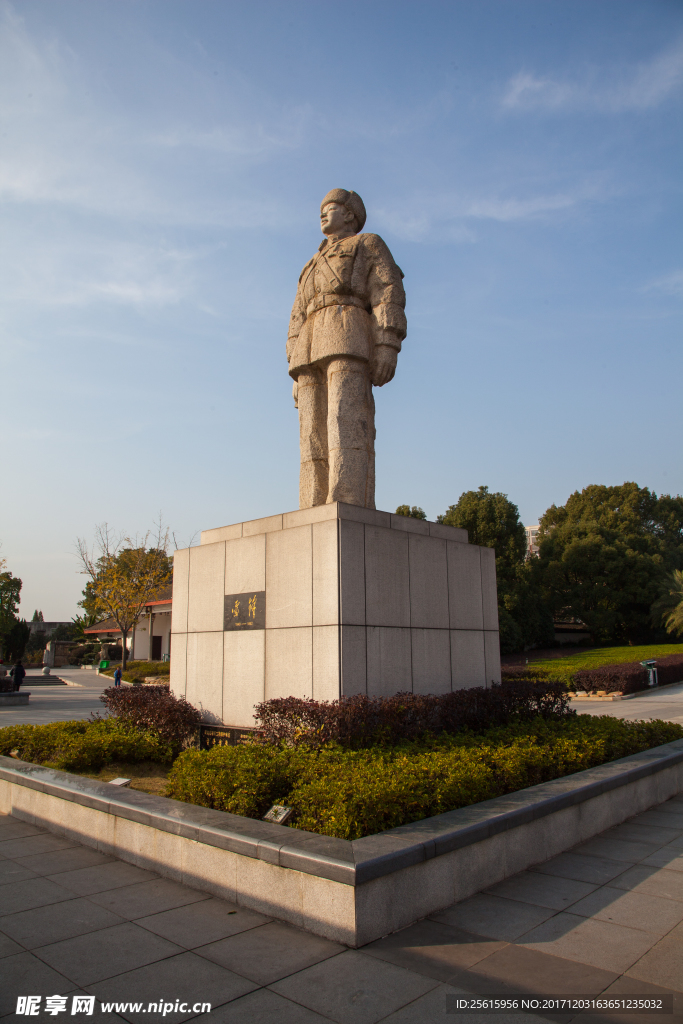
383,365
295,394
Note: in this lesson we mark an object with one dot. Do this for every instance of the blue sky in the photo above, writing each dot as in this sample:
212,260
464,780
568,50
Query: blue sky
162,165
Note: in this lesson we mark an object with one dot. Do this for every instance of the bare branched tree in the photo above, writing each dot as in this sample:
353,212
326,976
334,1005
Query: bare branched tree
125,573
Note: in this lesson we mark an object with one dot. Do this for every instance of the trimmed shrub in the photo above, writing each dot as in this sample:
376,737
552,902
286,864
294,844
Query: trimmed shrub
154,708
628,678
137,671
350,793
670,669
361,721
74,746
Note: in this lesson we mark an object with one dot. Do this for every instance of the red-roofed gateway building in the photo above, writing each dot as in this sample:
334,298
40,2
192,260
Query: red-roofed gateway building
151,638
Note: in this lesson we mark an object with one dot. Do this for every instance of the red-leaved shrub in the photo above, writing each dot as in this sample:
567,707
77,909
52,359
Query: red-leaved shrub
361,721
627,678
154,708
670,669
631,676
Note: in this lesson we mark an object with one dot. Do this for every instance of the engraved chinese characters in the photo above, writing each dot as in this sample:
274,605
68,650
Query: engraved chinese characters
245,611
345,333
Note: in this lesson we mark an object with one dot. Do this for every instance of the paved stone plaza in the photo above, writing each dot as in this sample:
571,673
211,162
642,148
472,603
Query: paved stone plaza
604,918
58,703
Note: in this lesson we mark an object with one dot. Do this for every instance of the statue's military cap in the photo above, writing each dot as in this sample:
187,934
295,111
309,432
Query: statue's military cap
351,200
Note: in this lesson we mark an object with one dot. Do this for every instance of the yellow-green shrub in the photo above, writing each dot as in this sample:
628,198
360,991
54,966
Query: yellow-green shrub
348,793
74,746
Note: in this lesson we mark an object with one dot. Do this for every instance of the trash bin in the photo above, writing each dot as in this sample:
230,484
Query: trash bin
651,667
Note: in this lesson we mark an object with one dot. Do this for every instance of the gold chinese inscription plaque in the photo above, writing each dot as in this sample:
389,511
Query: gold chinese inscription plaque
245,611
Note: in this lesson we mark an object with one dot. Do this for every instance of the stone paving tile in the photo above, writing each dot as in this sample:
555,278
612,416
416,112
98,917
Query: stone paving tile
87,959
145,898
493,916
671,818
582,867
632,832
626,986
631,909
354,988
24,974
598,943
32,892
649,879
24,847
202,923
677,843
542,890
663,964
185,977
433,949
44,925
269,952
264,1007
10,871
518,969
8,946
617,849
665,858
12,828
64,860
88,881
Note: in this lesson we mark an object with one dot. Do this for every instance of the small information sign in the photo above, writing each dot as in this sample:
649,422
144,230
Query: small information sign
245,611
278,814
223,736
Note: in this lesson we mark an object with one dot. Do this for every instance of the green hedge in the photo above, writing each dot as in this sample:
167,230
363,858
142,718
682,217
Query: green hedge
74,746
137,671
353,793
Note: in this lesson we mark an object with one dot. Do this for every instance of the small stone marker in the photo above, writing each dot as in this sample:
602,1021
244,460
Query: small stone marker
278,814
119,782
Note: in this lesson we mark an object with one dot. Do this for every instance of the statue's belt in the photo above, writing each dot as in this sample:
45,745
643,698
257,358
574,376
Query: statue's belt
320,301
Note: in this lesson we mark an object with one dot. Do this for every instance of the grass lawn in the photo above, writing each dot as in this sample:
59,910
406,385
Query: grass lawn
564,667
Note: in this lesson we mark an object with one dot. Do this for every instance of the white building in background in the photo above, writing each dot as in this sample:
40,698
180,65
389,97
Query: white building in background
531,535
151,639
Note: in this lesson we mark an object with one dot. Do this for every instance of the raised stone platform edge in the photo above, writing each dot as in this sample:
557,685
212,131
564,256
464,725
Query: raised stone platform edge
357,891
335,510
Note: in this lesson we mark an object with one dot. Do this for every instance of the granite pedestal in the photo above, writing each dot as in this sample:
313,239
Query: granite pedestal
327,602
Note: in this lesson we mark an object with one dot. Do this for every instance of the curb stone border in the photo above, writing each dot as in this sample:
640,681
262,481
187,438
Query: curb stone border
357,890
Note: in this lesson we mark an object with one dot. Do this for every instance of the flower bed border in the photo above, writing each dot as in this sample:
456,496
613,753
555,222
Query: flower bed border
351,891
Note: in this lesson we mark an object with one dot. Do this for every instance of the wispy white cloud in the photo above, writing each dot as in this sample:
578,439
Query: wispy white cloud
455,215
64,144
82,270
670,284
638,88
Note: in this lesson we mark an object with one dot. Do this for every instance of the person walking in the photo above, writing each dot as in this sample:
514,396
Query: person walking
18,673
117,677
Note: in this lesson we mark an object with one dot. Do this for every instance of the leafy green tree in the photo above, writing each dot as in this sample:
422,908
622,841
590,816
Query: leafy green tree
10,589
492,521
413,513
83,622
605,555
668,608
124,574
16,639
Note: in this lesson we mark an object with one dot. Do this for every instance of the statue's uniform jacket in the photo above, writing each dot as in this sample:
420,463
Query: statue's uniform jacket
350,298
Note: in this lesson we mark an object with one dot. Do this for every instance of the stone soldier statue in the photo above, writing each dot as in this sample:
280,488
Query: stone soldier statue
345,334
